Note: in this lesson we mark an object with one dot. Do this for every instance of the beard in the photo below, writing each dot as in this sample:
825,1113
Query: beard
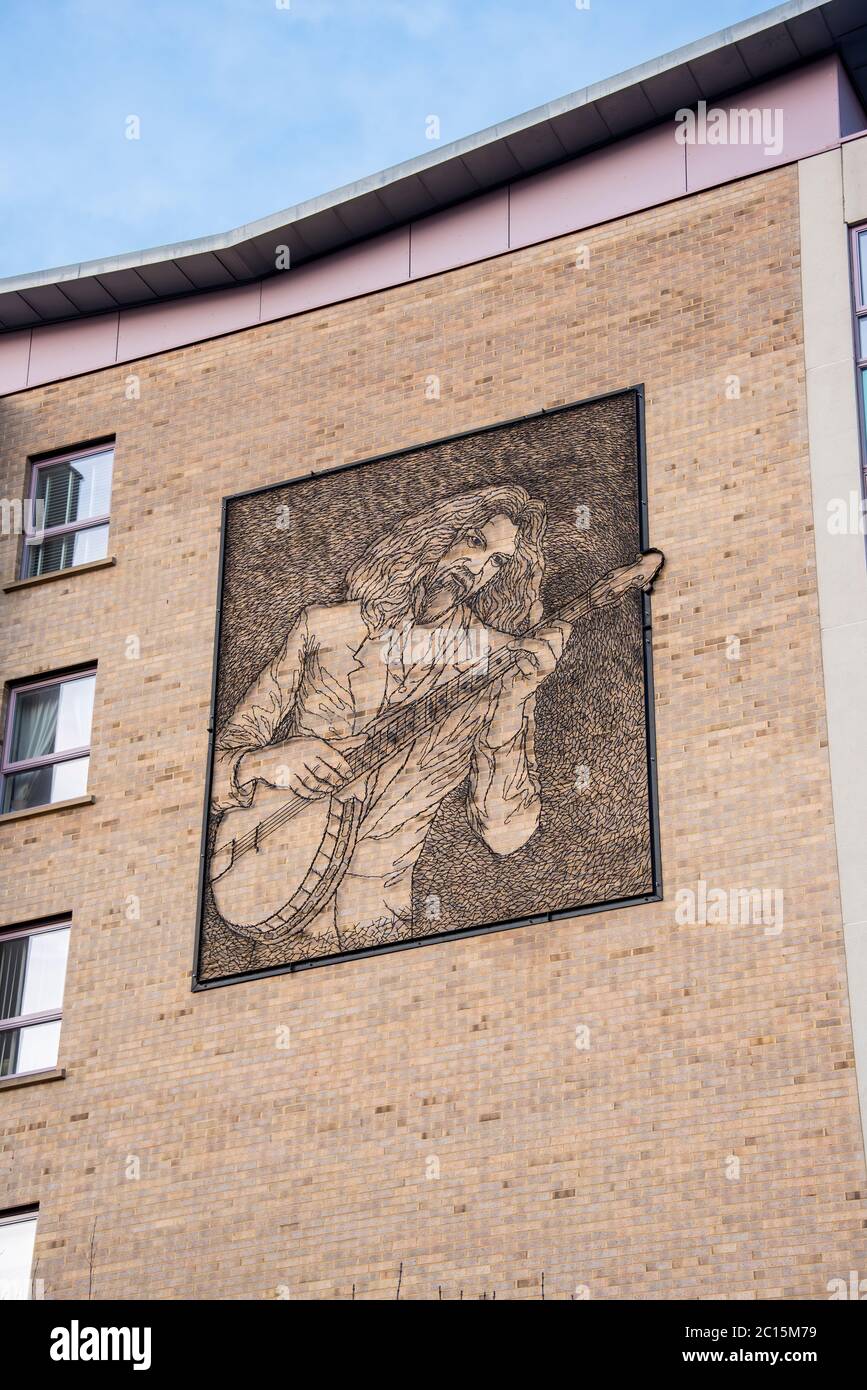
438,593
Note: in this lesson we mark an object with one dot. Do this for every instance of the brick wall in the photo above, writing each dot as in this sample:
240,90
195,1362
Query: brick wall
305,1169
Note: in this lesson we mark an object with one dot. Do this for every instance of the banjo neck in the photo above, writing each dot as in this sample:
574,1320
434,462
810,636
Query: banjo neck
396,729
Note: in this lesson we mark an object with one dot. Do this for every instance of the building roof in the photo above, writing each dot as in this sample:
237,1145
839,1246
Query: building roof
753,50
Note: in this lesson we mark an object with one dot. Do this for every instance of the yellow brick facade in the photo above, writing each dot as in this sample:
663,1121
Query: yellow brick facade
265,1169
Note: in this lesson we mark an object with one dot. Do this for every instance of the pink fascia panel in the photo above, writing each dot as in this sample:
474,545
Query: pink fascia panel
797,115
158,327
67,349
371,265
461,235
14,356
636,173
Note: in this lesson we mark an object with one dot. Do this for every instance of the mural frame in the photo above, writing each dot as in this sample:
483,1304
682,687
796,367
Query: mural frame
560,914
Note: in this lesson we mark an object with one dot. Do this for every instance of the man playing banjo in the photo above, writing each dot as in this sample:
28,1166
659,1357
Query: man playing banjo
438,595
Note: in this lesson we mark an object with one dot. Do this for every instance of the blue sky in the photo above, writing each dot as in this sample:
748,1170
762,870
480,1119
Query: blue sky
246,107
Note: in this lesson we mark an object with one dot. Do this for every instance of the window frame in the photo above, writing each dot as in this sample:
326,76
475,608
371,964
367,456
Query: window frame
71,527
11,769
858,274
45,1015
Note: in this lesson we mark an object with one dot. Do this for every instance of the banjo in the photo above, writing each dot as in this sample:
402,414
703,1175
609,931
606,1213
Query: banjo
277,862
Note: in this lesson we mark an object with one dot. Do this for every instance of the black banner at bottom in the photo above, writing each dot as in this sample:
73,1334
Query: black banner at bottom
64,1339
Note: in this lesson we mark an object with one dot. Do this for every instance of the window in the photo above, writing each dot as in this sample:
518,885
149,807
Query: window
46,750
32,974
859,269
17,1238
69,504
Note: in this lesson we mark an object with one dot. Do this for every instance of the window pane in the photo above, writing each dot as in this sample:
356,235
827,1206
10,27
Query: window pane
13,968
35,727
53,554
91,544
95,491
57,489
76,711
59,552
10,1039
22,790
17,1239
37,1050
862,338
73,491
33,1048
44,785
46,971
52,719
70,779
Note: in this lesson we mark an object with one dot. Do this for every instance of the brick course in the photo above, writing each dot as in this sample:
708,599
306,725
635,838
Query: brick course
304,1169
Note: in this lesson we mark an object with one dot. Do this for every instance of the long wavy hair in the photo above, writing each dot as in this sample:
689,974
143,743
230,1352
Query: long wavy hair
387,577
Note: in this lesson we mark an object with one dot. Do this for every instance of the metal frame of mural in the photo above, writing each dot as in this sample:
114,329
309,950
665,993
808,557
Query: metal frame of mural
608,588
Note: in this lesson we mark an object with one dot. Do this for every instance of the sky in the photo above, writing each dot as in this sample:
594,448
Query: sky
245,107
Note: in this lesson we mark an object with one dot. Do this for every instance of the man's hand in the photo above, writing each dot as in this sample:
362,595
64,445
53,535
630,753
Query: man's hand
534,659
309,767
